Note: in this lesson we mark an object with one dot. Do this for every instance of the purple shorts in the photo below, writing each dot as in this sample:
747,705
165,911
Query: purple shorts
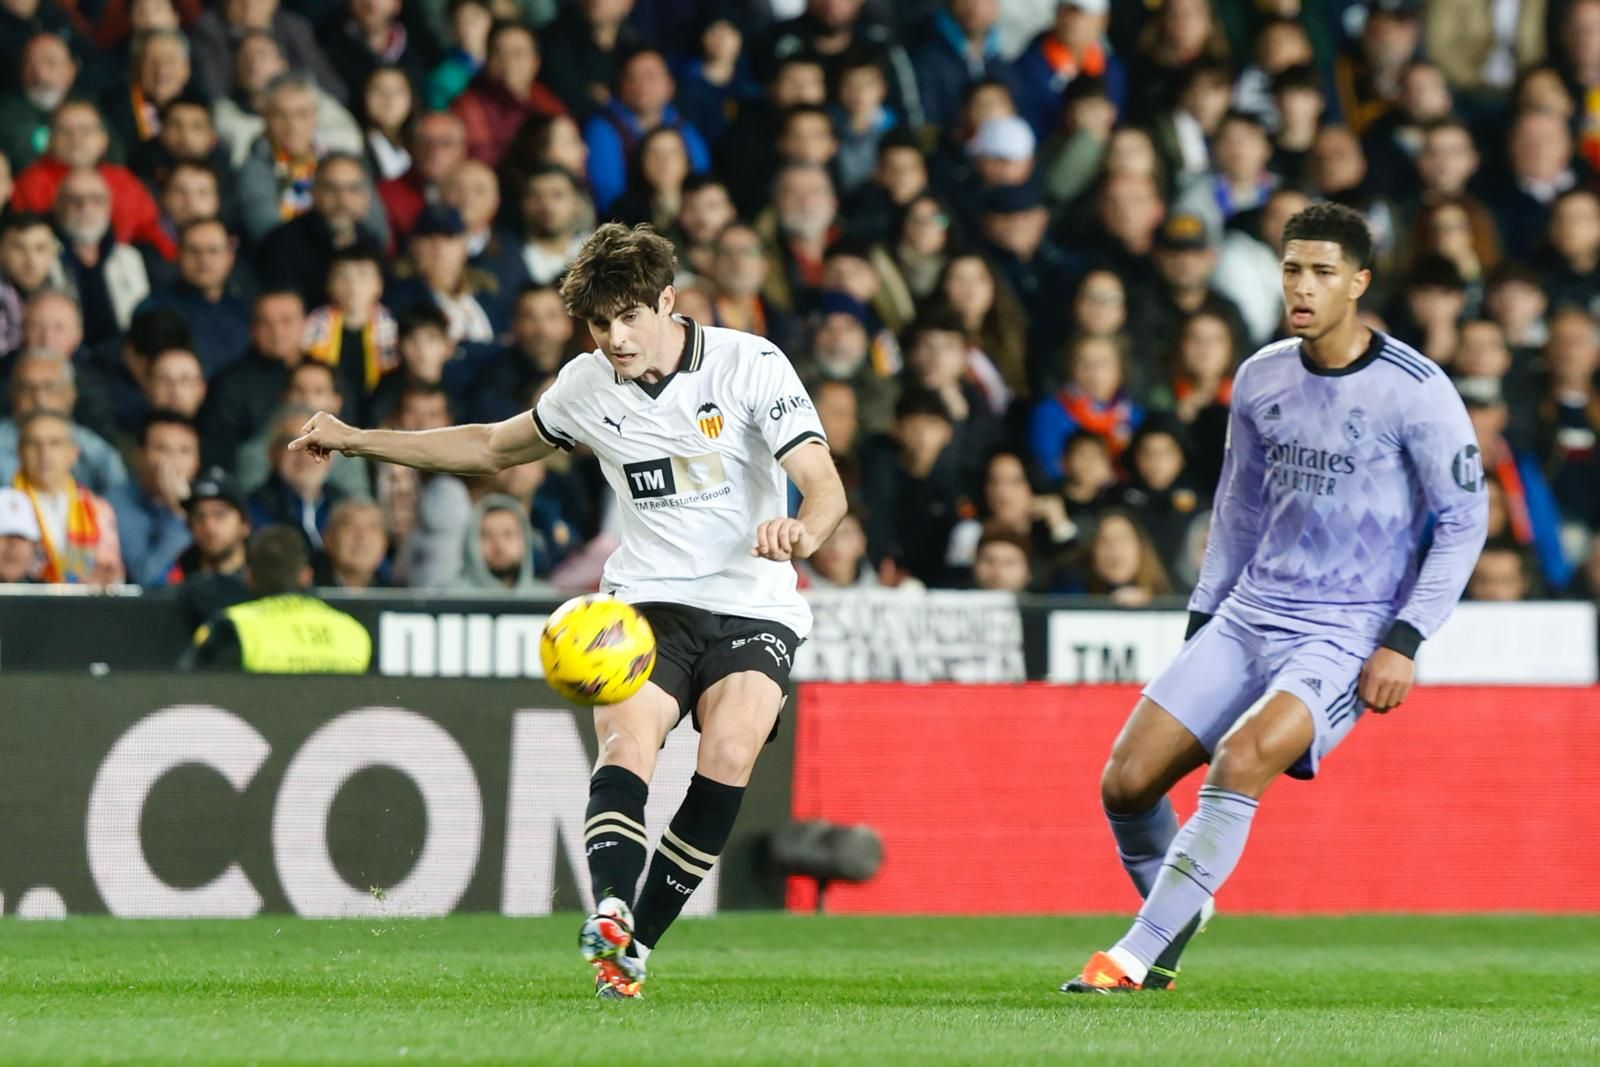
1228,667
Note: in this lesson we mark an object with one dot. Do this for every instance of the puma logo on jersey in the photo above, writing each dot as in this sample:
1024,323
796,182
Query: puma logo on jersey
617,425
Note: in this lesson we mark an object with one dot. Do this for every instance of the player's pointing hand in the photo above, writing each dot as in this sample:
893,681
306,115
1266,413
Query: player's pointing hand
322,435
783,540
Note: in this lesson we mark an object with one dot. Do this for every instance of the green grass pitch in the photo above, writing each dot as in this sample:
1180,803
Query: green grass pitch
781,989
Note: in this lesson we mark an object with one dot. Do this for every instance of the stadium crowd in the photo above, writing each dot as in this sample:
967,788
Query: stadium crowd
1015,249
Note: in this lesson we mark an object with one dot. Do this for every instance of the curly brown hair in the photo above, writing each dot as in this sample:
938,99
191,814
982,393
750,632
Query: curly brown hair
616,269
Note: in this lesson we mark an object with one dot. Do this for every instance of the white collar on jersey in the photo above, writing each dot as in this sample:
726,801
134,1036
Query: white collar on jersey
694,354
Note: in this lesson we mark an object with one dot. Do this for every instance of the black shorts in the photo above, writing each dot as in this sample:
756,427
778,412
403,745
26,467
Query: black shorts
695,649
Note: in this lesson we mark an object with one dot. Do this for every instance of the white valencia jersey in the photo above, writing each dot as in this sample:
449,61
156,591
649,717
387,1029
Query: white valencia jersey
694,462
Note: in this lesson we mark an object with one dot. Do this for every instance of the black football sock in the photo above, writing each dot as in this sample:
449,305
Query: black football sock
614,839
692,843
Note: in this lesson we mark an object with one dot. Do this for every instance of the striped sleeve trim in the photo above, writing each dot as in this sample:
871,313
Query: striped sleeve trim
551,438
797,441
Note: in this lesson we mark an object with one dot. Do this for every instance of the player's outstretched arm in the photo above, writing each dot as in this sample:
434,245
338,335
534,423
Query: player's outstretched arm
479,448
811,468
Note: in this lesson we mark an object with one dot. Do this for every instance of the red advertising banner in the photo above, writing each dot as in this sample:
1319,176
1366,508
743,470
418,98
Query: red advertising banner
987,798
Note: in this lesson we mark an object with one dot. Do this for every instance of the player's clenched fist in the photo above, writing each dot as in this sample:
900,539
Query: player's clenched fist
322,435
783,540
1385,680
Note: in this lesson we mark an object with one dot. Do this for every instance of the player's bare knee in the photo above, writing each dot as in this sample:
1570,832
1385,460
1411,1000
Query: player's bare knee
729,759
1126,787
1242,765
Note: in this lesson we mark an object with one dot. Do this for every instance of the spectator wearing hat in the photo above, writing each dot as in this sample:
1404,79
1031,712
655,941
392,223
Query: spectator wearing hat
959,46
19,538
1185,259
505,94
48,73
151,521
642,101
1074,46
298,254
437,271
44,381
78,528
1367,75
1037,270
78,140
213,565
1002,154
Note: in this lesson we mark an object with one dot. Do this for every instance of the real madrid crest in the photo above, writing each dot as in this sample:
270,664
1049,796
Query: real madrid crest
1355,425
709,419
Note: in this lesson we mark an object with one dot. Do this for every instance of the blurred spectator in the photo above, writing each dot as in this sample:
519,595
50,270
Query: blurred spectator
1088,474
1569,264
704,211
1121,562
657,172
1447,162
1159,489
473,190
499,555
1534,520
1100,307
1074,46
1481,47
1586,583
1428,316
298,254
438,145
1128,212
48,73
437,271
21,20
297,494
1094,401
996,328
176,384
470,22
913,479
355,548
958,48
1009,504
643,101
1368,76
879,208
44,381
504,94
1249,268
840,415
315,386
868,273
1393,141
213,565
1502,573
30,259
425,348
1182,133
1541,168
1199,390
190,192
1185,259
78,141
110,277
258,65
218,314
938,359
387,104
1298,107
541,334
553,226
241,398
555,140
1071,157
1568,418
584,46
158,72
1002,153
1513,298
860,120
122,375
361,35
840,562
151,523
1281,44
218,33
354,331
922,243
741,270
844,350
1239,180
79,530
1460,230
1039,272
19,538
1180,34
715,83
428,557
1337,170
1003,562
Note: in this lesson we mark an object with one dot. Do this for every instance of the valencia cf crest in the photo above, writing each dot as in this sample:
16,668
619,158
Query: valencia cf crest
709,419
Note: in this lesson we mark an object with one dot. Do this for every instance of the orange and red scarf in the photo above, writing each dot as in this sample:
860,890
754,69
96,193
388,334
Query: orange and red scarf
72,563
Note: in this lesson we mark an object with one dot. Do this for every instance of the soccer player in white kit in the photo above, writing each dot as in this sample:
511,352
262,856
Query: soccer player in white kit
698,430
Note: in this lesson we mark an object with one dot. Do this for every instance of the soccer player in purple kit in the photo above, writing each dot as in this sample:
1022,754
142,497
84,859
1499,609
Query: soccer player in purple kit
1346,452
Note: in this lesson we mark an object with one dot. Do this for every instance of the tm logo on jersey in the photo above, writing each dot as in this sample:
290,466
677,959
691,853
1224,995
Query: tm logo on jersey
675,482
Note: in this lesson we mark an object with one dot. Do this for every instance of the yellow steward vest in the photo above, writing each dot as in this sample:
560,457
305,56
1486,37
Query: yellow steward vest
295,634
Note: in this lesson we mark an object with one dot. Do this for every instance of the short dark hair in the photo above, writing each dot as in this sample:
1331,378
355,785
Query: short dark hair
899,137
618,268
695,183
210,220
937,318
184,100
423,315
425,390
504,26
1203,70
164,418
799,110
154,330
1435,271
360,252
1333,222
326,368
22,220
1248,118
921,401
277,559
1299,76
